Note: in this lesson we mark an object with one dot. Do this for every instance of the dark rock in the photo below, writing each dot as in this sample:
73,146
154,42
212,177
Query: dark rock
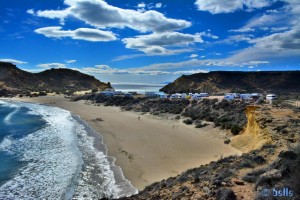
225,194
290,155
238,182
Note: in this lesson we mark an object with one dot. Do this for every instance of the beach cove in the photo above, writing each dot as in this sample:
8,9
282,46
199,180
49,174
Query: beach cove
147,148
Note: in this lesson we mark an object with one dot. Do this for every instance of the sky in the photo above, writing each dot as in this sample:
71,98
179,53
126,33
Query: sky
126,41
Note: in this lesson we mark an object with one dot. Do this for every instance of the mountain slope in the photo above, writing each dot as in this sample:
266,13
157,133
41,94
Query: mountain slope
225,81
13,78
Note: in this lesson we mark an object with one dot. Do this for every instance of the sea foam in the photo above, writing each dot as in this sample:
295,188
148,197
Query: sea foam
62,162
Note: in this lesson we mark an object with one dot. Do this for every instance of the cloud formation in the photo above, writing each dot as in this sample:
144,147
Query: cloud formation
100,14
218,6
70,61
13,61
155,43
92,35
52,65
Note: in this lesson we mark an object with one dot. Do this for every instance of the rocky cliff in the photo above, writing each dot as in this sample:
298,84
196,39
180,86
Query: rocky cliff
225,81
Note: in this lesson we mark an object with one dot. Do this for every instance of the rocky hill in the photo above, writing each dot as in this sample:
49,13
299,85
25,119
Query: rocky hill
57,80
225,81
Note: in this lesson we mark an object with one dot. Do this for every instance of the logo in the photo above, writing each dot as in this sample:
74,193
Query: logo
277,192
285,192
265,192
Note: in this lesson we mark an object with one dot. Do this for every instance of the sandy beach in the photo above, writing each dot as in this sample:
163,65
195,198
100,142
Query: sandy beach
148,149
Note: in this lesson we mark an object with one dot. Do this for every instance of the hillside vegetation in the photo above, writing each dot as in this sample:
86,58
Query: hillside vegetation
15,80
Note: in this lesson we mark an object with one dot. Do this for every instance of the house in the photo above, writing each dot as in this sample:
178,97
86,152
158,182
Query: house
174,96
181,96
163,96
257,96
271,97
204,94
246,97
196,96
232,96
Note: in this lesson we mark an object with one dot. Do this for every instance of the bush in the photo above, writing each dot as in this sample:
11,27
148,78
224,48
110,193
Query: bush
200,125
42,93
188,121
227,141
177,117
235,129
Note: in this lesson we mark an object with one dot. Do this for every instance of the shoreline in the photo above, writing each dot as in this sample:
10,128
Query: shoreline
124,185
147,150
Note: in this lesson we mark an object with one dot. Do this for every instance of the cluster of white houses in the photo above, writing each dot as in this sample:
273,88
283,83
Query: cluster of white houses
249,97
192,96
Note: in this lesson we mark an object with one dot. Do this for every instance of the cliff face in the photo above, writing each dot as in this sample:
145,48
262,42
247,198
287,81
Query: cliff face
13,78
224,81
254,137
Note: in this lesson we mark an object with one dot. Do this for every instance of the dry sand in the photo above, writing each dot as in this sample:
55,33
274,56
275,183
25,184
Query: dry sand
149,149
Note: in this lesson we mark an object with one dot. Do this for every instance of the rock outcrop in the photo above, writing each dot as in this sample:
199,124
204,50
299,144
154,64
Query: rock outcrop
254,136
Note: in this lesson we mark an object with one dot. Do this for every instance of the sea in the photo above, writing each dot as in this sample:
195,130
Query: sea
48,153
138,87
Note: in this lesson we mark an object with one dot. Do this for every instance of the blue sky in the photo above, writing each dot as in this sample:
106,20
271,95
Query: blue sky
150,41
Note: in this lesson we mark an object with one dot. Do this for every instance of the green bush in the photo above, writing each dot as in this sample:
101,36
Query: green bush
188,121
235,129
200,125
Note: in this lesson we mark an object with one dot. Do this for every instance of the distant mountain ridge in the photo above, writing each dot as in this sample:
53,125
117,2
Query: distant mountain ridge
227,81
57,80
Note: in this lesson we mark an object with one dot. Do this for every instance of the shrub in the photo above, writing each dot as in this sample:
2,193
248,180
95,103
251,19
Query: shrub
235,129
227,141
188,121
200,125
177,117
42,93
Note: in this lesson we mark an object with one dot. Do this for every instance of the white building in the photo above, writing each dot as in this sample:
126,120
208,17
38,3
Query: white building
271,97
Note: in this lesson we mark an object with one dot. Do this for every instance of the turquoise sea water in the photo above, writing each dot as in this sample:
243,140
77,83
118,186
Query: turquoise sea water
47,153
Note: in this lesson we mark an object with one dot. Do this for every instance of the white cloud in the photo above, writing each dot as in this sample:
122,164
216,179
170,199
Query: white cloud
229,6
279,20
87,34
52,65
190,72
279,29
100,14
277,45
242,30
13,61
141,5
234,39
30,11
208,34
70,61
156,43
288,40
158,5
193,55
